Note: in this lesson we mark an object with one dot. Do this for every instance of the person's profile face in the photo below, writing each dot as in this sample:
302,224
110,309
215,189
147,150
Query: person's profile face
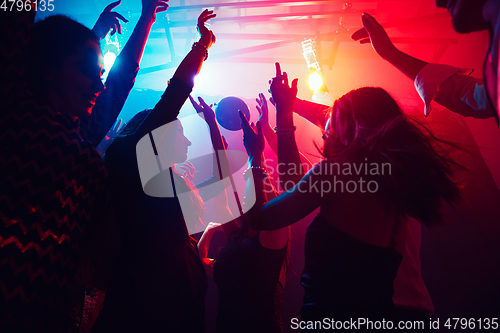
467,15
76,83
180,144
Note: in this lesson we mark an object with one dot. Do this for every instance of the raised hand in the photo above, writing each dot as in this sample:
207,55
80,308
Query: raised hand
108,20
253,142
263,110
212,227
188,170
283,95
373,32
203,109
151,7
207,37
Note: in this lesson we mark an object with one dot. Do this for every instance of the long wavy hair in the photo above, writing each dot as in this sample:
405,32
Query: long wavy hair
368,123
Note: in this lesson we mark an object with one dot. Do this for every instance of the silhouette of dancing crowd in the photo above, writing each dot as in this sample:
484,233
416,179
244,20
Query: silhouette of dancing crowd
85,246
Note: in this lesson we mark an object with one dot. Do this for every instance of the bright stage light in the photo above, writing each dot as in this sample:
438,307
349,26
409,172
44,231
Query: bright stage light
315,81
109,60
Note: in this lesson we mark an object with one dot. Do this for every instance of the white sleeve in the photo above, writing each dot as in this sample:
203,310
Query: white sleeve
452,88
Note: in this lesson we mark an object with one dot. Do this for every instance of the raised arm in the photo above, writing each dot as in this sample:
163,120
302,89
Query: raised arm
289,164
373,32
256,175
204,245
449,86
122,75
264,121
181,84
314,112
220,168
109,20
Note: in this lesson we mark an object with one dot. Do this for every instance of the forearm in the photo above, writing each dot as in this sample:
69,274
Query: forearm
405,63
314,112
167,109
120,80
220,162
190,66
215,135
289,164
134,48
204,243
255,182
109,104
222,209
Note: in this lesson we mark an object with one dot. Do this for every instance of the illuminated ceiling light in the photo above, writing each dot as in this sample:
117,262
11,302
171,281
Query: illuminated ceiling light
316,78
110,51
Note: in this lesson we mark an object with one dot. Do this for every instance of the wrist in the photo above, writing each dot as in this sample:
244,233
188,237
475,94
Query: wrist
284,111
284,120
391,54
284,123
200,48
148,15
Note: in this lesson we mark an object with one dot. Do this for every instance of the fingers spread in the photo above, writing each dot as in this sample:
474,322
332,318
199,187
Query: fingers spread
294,83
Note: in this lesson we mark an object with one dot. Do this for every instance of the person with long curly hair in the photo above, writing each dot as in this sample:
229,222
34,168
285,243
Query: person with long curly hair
379,168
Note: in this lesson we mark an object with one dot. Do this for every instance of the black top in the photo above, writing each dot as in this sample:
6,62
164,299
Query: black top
52,188
345,277
247,276
159,283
